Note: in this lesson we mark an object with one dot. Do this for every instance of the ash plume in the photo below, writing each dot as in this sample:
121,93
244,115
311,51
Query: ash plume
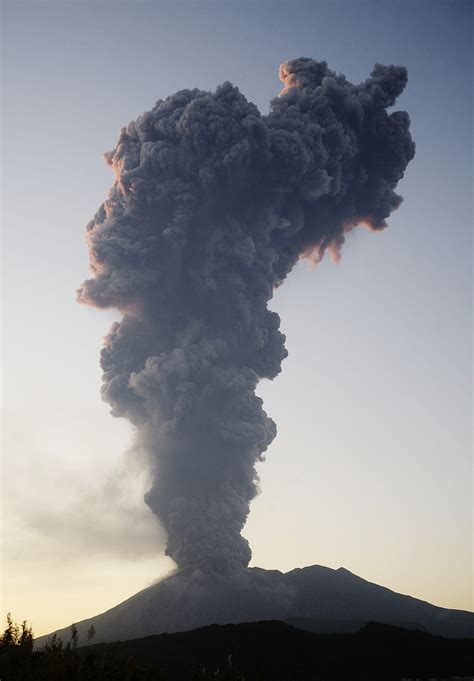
211,207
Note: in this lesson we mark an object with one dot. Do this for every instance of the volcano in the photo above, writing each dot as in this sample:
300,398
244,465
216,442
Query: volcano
313,597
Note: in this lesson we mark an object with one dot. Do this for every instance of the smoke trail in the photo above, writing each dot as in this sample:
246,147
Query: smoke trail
211,207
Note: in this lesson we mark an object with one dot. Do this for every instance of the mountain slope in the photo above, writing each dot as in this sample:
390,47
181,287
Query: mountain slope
187,601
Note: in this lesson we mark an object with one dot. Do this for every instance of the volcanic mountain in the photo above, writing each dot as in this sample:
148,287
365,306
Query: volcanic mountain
313,597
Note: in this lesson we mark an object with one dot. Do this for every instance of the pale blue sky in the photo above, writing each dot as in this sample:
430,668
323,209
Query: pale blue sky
371,469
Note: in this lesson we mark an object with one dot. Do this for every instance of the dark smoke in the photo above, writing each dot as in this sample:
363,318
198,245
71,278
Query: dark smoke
211,207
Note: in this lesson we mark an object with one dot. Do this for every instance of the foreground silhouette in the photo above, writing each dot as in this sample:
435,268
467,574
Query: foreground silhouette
64,661
257,651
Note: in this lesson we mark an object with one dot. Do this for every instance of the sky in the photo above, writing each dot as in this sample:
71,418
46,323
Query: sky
371,469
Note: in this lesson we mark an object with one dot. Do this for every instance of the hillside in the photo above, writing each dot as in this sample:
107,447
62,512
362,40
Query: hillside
188,601
276,651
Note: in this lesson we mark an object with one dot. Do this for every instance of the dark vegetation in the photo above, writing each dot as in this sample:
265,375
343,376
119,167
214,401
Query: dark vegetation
59,661
259,651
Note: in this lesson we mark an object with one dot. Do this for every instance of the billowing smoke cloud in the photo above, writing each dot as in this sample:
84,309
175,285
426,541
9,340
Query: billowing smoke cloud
211,207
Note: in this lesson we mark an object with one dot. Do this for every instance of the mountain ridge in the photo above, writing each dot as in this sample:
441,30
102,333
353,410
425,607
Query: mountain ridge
189,600
276,651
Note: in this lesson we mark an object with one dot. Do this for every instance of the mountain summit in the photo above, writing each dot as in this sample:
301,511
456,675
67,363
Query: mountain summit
188,600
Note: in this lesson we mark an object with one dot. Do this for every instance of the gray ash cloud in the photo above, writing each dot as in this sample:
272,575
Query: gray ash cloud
212,206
